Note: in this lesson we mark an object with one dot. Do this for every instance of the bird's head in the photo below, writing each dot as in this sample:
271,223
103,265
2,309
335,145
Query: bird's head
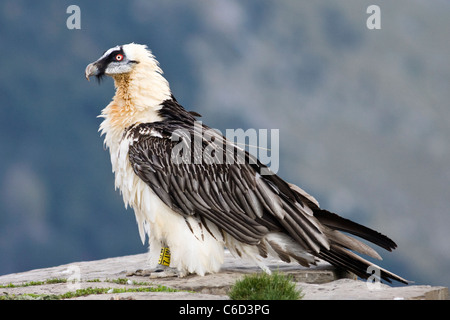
140,86
120,60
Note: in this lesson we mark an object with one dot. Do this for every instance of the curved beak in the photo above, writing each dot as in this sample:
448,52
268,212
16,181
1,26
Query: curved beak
91,70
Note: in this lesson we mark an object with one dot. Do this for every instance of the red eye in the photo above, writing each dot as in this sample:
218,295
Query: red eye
119,57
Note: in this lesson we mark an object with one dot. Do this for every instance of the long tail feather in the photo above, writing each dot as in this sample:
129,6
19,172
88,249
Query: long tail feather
334,221
347,260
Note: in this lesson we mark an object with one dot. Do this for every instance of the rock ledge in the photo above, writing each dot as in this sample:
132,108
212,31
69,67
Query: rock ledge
318,283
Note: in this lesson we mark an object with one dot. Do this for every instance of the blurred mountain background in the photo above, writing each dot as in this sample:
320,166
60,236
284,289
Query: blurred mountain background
364,115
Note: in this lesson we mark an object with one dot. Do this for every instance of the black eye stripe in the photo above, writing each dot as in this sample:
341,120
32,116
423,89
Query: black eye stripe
112,56
105,60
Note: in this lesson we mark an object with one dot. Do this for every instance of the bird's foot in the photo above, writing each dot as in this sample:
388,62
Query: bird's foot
160,271
164,272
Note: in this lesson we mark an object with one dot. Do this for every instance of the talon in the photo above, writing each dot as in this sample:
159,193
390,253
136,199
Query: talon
164,273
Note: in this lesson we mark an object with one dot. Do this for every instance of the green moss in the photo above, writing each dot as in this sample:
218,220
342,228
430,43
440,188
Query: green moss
90,290
56,280
265,287
35,283
28,296
119,281
83,292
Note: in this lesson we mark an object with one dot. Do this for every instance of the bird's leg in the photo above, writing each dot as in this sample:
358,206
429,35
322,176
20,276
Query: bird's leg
164,259
163,269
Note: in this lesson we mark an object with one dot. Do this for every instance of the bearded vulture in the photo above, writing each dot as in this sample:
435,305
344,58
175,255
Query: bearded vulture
183,198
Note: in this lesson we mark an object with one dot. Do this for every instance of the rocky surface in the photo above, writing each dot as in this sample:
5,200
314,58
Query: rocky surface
107,279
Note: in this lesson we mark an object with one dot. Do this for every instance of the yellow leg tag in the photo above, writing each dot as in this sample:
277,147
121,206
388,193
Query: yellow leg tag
164,256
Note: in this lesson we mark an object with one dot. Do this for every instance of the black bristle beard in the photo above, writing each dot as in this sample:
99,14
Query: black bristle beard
100,77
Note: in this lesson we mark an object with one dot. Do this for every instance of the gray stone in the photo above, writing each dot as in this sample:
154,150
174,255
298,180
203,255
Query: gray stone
348,289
